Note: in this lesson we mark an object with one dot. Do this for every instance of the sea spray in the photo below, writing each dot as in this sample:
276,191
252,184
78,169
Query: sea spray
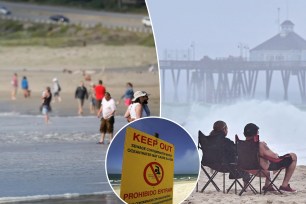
281,124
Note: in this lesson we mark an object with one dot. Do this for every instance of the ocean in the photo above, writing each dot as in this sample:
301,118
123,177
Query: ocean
281,123
55,163
115,179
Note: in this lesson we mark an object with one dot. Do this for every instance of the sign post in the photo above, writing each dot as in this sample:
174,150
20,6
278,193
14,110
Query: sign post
147,169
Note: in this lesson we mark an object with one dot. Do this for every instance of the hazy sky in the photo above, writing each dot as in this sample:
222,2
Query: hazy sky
186,159
217,26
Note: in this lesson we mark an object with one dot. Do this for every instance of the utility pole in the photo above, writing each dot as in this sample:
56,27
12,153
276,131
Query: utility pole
193,50
278,20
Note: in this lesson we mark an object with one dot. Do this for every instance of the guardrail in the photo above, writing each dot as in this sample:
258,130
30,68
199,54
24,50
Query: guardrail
84,25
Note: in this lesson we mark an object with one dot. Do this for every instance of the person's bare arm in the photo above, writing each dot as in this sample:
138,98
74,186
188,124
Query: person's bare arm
266,152
100,111
138,111
127,114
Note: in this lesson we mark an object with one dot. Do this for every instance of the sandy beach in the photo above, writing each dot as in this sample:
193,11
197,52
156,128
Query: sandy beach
210,195
115,65
61,162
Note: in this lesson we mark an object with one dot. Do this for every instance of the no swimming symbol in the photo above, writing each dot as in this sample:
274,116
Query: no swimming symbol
153,173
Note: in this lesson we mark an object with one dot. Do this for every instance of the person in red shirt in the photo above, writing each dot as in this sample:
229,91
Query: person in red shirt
100,92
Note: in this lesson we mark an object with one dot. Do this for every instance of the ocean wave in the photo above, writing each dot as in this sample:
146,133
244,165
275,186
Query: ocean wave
29,129
48,197
6,114
9,114
281,123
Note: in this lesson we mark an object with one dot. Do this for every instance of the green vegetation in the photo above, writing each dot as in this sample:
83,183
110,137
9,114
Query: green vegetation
16,33
134,6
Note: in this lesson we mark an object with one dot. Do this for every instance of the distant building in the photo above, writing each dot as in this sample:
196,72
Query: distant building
285,46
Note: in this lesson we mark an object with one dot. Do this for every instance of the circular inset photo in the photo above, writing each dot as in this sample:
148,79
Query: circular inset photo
152,160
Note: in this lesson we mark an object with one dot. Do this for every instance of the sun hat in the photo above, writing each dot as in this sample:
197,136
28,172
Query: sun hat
54,79
250,130
147,94
138,94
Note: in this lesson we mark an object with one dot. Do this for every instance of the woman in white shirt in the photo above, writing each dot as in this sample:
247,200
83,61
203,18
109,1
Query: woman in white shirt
136,110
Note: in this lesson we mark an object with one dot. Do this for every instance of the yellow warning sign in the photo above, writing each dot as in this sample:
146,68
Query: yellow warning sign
147,169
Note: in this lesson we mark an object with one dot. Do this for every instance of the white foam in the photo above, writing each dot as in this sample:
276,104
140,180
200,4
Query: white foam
282,125
45,197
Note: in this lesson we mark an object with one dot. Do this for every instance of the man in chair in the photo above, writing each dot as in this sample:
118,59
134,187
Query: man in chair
270,160
219,132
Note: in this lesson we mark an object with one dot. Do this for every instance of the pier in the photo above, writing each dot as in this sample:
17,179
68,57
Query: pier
222,81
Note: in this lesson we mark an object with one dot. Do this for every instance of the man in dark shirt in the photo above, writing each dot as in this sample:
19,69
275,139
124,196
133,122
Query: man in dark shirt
80,94
226,146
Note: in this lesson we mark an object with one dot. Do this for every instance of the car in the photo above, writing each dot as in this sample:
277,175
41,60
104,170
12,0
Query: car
4,11
146,21
59,18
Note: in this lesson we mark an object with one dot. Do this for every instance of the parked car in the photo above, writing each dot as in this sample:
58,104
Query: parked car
4,11
59,18
146,21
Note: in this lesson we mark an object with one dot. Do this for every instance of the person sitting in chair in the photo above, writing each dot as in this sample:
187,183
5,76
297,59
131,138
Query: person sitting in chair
219,132
270,160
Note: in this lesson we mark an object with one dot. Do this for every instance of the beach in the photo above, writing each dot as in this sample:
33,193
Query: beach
281,127
114,65
210,195
60,162
57,161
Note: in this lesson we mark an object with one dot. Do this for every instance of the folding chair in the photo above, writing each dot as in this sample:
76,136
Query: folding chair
213,158
248,160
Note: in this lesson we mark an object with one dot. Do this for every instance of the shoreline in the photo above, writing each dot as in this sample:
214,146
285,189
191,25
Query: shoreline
94,198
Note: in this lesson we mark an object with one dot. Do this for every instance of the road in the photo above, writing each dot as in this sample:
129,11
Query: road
76,16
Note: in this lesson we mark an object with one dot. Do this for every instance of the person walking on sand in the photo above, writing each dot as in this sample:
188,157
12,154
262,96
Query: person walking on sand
14,83
100,92
25,86
270,161
136,110
81,94
46,100
92,98
128,94
108,108
56,89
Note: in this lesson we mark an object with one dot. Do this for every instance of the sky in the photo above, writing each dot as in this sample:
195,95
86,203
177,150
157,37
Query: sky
217,28
186,159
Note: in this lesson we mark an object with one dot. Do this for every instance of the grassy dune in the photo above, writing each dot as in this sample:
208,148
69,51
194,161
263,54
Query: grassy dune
15,33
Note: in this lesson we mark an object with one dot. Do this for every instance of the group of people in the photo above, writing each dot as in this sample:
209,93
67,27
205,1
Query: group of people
100,102
24,86
269,160
104,105
137,108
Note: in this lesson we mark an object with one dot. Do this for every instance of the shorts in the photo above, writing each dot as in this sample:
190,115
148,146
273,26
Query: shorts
93,101
107,125
56,93
81,102
98,104
45,109
127,101
284,162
